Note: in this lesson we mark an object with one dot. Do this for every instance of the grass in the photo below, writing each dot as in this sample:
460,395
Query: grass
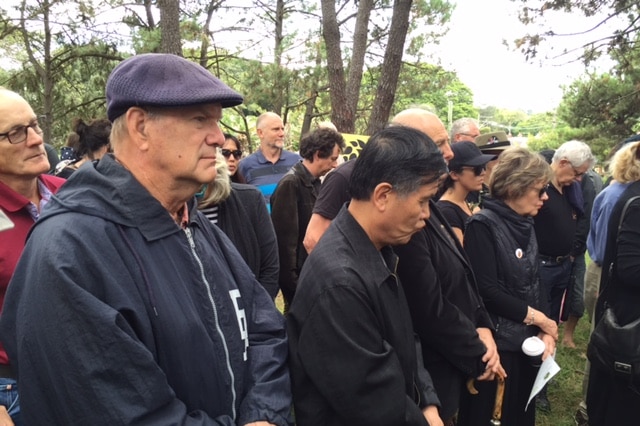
565,389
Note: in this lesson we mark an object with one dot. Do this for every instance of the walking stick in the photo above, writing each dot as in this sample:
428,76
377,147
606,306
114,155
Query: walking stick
497,405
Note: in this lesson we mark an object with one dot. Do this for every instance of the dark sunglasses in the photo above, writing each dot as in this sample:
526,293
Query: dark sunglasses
237,154
477,170
543,190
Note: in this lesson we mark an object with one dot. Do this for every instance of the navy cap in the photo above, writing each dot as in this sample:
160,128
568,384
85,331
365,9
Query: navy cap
468,154
164,80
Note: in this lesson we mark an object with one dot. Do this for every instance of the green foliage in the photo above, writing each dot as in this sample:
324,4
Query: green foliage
605,107
565,389
620,15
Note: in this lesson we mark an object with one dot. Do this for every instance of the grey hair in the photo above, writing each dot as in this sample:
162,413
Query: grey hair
575,152
462,125
220,189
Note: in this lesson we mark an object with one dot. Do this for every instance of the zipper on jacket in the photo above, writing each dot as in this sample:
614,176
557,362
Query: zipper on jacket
192,244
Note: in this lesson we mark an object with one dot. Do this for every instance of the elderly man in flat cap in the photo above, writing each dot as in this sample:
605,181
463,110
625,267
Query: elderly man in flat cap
127,306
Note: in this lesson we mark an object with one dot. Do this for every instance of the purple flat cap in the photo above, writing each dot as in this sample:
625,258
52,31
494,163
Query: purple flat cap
163,80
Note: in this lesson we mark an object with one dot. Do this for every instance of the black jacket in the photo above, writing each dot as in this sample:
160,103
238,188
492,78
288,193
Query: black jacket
446,307
512,242
622,288
245,220
117,315
353,354
291,208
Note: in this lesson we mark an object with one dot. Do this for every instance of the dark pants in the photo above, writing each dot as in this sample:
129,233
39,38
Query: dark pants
555,278
574,301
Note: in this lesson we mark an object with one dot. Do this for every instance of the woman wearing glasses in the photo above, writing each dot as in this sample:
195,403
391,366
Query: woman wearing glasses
503,251
466,174
232,153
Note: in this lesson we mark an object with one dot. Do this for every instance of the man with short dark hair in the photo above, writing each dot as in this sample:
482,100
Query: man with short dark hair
25,189
334,192
128,306
292,203
354,358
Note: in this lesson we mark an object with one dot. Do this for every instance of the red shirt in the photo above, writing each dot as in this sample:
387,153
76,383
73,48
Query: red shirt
12,241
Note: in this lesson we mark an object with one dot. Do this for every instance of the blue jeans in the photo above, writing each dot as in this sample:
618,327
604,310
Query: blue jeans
555,278
9,398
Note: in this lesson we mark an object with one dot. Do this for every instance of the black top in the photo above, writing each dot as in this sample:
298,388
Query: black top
622,292
555,224
353,352
334,191
479,243
446,308
454,214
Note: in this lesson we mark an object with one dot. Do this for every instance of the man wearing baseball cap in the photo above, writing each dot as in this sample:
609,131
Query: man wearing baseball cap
128,307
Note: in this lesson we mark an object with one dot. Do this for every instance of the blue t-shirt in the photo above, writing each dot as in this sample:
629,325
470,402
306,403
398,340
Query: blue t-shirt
602,207
265,175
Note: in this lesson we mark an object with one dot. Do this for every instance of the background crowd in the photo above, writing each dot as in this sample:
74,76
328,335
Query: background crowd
140,268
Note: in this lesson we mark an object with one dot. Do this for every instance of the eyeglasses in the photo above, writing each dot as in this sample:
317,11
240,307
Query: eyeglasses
576,174
543,191
477,170
470,135
237,154
19,134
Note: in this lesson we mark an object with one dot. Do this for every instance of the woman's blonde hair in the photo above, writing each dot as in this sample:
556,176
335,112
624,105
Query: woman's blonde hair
220,189
625,164
517,170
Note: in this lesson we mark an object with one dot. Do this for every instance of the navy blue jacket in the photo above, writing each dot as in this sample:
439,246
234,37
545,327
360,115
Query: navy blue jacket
117,315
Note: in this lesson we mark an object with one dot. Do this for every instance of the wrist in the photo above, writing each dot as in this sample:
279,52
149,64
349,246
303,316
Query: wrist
531,317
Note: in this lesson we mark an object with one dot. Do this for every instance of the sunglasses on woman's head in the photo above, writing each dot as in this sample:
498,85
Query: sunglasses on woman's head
477,170
237,154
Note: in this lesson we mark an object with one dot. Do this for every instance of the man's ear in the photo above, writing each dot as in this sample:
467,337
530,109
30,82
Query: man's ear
381,194
138,127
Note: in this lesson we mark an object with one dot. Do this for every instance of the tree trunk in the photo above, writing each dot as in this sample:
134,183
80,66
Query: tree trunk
340,115
279,91
43,71
170,40
360,37
391,65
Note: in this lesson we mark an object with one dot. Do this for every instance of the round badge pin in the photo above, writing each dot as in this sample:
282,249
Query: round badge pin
519,253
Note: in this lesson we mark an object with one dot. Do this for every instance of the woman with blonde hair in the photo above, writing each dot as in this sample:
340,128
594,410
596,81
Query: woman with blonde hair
613,394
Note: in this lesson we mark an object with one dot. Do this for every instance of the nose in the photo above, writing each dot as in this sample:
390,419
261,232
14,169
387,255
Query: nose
33,138
216,137
447,153
426,212
544,197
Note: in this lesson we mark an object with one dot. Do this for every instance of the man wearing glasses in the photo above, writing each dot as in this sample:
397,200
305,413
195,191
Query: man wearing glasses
555,226
464,129
127,306
25,188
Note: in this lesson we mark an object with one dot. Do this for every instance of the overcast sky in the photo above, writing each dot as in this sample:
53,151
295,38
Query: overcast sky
474,49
